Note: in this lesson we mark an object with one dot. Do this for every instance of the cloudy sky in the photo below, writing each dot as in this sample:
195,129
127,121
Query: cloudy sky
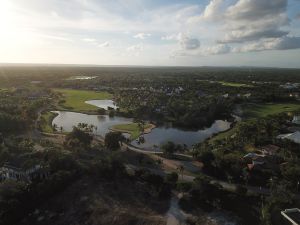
151,32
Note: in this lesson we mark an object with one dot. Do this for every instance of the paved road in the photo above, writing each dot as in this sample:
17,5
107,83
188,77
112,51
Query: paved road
186,178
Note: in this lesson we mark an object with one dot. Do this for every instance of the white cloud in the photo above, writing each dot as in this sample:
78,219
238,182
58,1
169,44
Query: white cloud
91,40
172,37
217,49
104,45
283,43
136,48
142,36
188,43
213,10
252,20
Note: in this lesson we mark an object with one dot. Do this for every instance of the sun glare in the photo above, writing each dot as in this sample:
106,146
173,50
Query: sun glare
5,15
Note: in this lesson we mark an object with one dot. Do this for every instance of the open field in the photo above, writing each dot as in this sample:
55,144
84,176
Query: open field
231,84
262,110
133,129
75,99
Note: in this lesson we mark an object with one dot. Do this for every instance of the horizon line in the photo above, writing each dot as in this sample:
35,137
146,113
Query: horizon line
135,66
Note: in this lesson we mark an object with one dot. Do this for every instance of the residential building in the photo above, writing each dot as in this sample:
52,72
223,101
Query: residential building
270,149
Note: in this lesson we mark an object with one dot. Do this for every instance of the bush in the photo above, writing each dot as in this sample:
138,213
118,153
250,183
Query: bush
112,140
172,178
241,190
184,186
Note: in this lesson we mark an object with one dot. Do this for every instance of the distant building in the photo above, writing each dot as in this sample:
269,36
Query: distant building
290,85
11,172
292,215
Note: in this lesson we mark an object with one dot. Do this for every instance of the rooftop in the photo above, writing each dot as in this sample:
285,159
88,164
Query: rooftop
293,215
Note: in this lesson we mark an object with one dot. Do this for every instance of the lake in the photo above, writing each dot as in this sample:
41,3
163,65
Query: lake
157,137
102,103
103,122
161,135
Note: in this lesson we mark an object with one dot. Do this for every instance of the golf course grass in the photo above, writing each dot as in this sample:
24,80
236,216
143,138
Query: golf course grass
75,99
253,111
132,129
231,84
46,122
263,110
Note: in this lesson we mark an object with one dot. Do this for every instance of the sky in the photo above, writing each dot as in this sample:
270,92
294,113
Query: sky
264,33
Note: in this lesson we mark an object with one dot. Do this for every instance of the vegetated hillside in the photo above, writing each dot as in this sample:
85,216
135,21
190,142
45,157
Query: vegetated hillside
101,202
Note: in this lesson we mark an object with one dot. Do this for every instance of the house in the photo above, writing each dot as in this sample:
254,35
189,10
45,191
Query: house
252,155
295,137
264,163
296,119
13,172
270,149
248,95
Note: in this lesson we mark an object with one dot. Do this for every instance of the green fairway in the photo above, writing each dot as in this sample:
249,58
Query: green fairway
262,110
257,111
224,135
75,99
231,84
132,129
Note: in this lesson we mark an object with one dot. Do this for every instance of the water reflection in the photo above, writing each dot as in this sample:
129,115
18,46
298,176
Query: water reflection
157,137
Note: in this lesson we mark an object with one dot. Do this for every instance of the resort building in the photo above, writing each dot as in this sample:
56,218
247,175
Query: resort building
292,216
10,172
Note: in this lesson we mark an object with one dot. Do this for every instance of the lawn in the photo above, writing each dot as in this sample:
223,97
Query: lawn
132,129
75,99
223,135
262,110
231,84
46,122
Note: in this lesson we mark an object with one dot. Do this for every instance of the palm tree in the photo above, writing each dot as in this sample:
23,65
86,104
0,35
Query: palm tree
181,169
54,127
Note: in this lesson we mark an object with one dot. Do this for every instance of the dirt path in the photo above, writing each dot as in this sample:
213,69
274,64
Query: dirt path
175,216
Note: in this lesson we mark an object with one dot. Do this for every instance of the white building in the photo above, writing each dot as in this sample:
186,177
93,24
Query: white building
9,172
295,137
296,119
